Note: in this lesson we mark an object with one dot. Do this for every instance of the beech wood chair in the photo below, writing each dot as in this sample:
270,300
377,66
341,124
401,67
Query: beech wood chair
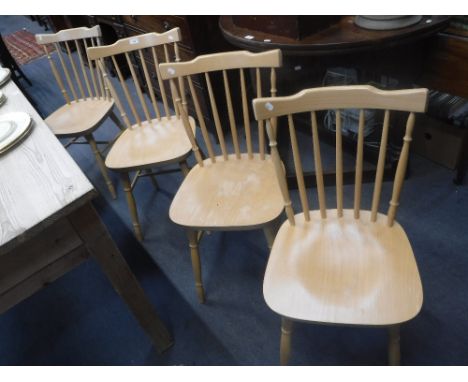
226,191
158,137
86,109
342,266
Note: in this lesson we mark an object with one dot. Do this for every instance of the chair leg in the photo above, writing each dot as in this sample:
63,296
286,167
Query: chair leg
153,179
116,120
184,167
193,244
271,229
285,345
394,345
269,232
131,205
101,165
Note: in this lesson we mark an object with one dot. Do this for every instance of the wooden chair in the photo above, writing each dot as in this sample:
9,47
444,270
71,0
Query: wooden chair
342,266
89,106
226,191
158,137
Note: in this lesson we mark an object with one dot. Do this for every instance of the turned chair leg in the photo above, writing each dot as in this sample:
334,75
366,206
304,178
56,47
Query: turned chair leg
116,120
184,167
394,345
153,179
270,231
270,234
285,344
131,205
193,244
101,164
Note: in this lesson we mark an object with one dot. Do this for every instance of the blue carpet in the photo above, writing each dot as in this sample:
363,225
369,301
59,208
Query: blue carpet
80,320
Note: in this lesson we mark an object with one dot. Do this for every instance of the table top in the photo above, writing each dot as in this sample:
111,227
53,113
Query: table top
39,180
340,38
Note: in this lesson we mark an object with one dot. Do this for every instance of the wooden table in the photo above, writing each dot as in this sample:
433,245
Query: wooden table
48,225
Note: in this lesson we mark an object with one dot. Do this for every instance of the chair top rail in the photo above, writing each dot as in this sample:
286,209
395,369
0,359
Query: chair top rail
341,97
69,34
221,61
133,43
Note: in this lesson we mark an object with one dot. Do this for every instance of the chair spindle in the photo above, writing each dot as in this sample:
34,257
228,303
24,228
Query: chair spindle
57,76
298,168
65,70
339,166
91,70
232,121
101,74
245,113
126,92
261,123
359,160
186,124
181,79
83,69
94,42
137,87
401,170
168,59
217,121
201,120
75,71
149,84
380,167
318,167
115,96
279,169
273,91
162,89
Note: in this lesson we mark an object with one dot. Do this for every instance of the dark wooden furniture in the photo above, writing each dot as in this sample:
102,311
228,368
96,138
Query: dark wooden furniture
293,27
389,59
340,37
445,66
445,69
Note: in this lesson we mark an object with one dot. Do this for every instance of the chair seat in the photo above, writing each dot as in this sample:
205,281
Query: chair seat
157,142
343,271
234,194
79,118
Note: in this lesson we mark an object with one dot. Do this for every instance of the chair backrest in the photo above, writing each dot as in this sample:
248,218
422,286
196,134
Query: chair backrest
81,39
148,47
338,98
222,63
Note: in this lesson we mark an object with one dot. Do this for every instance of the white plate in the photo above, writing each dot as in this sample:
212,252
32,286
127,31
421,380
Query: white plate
6,129
5,75
13,128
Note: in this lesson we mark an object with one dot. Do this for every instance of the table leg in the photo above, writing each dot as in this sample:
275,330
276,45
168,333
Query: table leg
98,242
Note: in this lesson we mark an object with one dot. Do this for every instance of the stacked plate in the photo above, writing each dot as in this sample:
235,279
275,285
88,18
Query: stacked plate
5,75
14,127
2,98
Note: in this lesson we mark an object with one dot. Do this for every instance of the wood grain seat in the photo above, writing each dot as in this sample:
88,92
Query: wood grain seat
343,271
78,118
247,197
161,141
